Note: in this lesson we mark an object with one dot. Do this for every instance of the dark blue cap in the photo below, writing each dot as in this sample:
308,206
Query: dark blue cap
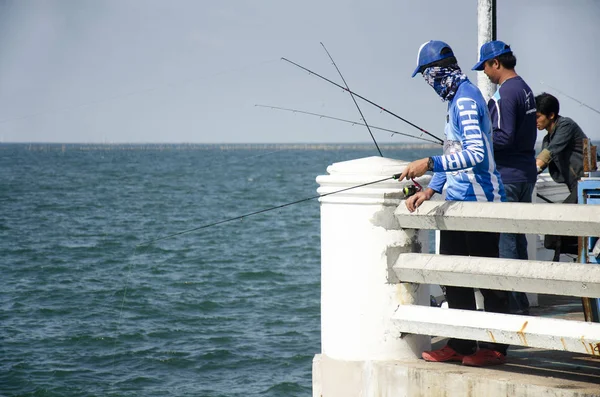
489,51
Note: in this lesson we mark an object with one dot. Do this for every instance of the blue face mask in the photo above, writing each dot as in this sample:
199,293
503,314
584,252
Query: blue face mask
444,80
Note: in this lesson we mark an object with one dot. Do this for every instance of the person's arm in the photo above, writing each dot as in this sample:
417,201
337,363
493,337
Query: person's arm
539,163
436,185
416,169
561,138
437,182
473,151
414,201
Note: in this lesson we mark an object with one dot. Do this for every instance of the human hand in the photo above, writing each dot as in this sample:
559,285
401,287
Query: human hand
540,163
414,201
414,169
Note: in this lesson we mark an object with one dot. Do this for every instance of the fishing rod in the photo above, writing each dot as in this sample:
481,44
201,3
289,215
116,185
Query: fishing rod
346,121
362,117
546,199
395,176
366,100
568,96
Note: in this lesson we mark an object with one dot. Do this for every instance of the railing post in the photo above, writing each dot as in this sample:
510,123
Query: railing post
533,241
360,241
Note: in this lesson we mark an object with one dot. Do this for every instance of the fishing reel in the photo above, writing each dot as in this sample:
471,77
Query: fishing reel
410,190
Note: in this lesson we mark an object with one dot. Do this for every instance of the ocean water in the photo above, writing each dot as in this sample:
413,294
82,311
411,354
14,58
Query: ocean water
227,310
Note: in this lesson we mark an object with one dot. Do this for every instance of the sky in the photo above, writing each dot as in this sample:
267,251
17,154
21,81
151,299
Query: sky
173,71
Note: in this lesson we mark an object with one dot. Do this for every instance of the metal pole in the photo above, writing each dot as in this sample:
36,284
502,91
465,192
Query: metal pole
486,31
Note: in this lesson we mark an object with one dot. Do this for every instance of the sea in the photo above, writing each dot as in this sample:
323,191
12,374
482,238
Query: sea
163,270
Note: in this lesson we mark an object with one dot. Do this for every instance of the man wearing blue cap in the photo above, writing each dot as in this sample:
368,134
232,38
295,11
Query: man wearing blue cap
468,171
513,112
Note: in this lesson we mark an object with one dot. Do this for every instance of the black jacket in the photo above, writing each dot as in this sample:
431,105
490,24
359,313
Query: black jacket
565,145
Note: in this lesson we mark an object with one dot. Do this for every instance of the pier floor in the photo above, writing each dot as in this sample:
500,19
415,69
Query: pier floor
579,373
528,372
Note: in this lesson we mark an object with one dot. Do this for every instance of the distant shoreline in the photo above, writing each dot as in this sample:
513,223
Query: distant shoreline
212,146
41,146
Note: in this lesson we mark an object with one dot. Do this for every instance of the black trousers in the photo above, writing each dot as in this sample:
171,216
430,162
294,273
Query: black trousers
473,244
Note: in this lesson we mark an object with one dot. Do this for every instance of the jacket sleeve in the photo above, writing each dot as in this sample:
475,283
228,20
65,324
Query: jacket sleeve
563,135
467,117
504,121
437,182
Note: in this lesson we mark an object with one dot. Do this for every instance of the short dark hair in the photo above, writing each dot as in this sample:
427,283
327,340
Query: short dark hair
547,104
442,62
508,60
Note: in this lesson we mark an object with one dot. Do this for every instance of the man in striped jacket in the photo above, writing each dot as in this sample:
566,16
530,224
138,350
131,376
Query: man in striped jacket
468,171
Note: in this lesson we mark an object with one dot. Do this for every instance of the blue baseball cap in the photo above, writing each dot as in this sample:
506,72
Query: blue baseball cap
491,50
430,52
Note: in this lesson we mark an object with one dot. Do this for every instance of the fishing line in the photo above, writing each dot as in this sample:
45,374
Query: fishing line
362,117
568,96
346,121
366,100
130,269
395,176
120,319
546,199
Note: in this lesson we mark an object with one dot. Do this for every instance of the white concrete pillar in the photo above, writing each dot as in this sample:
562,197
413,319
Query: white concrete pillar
360,241
486,26
532,249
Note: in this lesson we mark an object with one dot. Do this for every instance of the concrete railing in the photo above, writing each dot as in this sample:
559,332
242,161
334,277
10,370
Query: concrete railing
582,280
376,263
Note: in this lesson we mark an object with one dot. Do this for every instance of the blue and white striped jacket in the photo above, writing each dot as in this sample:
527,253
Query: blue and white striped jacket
467,167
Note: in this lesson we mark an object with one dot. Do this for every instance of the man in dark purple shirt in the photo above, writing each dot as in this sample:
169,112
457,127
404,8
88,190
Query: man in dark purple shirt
513,113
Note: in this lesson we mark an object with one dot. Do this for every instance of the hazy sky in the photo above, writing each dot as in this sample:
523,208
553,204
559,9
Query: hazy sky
192,71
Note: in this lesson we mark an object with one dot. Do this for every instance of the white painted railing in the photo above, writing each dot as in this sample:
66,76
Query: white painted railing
370,242
571,279
374,327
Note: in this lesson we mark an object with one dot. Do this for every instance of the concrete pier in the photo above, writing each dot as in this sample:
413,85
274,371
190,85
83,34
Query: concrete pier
527,373
365,354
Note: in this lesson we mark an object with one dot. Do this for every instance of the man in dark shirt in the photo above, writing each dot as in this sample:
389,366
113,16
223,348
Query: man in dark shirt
562,153
513,113
562,147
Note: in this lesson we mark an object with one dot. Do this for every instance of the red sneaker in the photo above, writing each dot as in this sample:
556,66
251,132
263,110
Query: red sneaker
484,358
444,354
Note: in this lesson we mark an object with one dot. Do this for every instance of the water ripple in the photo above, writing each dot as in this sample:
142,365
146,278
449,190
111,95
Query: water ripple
231,310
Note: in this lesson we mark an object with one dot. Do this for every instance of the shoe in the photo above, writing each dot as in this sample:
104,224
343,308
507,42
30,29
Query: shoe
484,358
442,355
